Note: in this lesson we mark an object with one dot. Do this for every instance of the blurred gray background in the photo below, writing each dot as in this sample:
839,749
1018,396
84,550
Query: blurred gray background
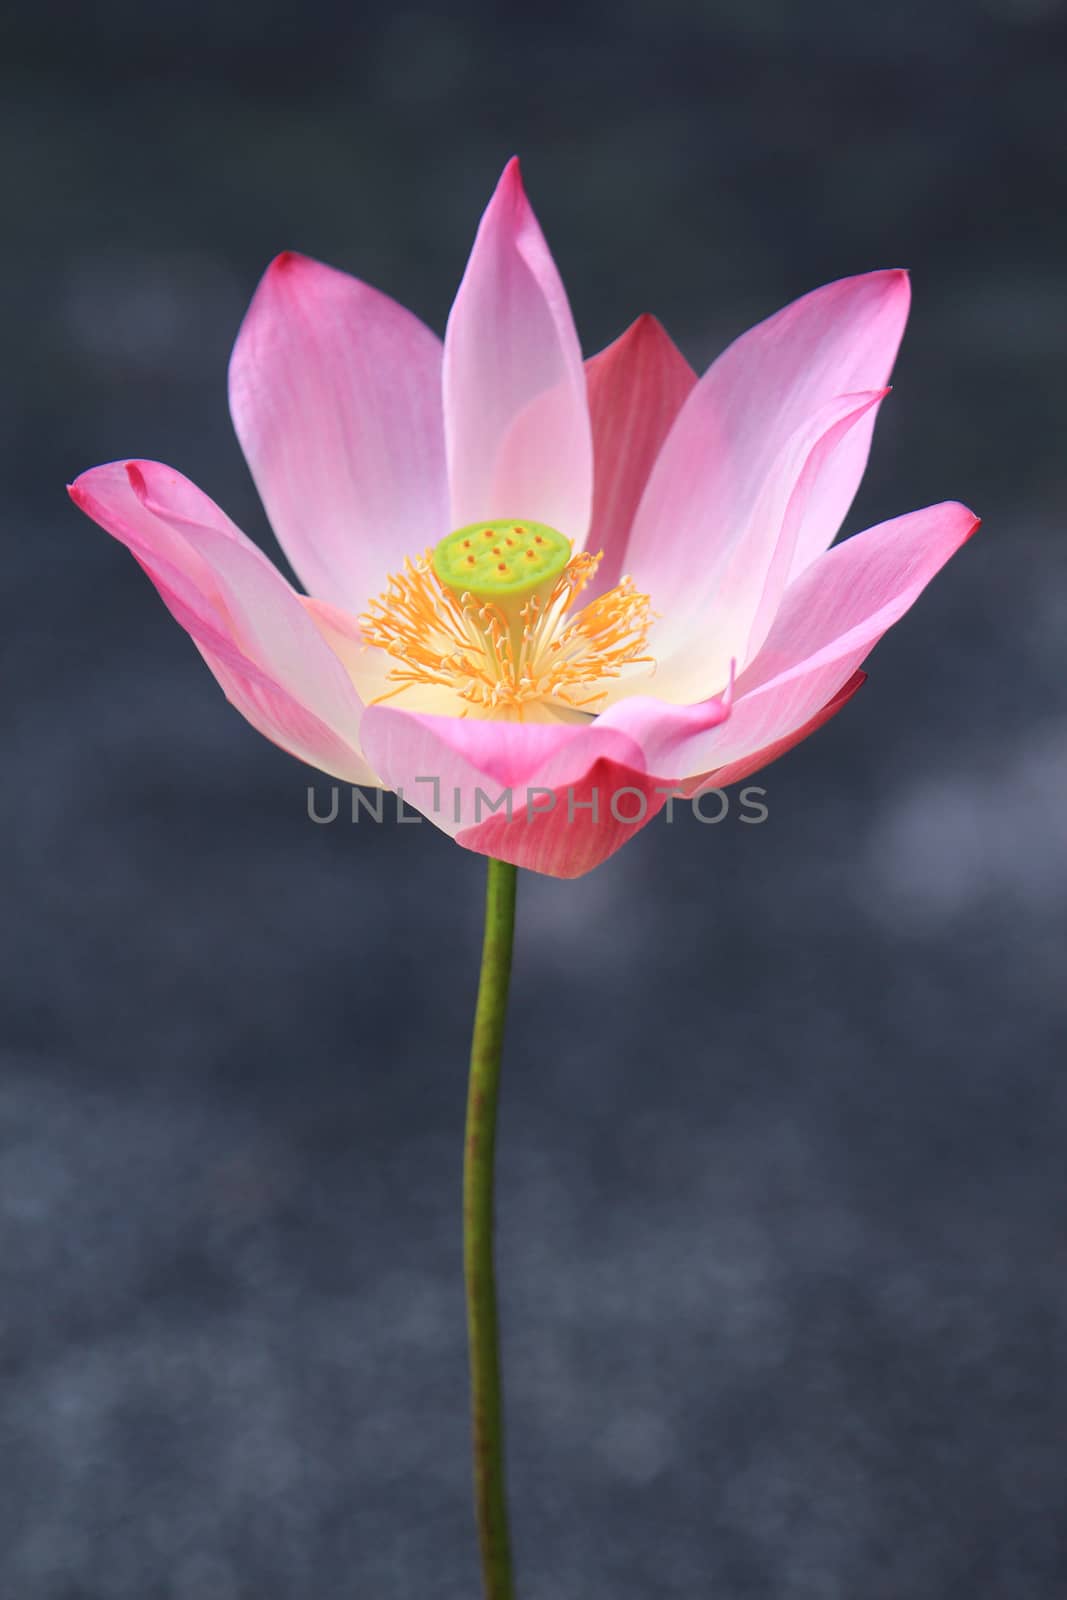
783,1244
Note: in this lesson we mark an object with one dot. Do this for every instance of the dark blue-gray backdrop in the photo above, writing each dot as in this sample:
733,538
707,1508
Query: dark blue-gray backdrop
783,1242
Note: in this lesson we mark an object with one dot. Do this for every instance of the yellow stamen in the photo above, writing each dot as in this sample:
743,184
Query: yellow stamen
503,668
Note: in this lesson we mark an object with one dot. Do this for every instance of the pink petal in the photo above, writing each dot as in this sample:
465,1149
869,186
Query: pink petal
831,618
411,749
516,414
335,393
636,388
562,780
722,777
244,618
368,668
559,837
666,733
274,713
455,771
718,457
729,620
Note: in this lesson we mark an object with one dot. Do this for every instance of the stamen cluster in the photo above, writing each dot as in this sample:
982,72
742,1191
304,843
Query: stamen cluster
503,666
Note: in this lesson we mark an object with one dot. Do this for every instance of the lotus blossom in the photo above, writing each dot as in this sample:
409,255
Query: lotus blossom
566,580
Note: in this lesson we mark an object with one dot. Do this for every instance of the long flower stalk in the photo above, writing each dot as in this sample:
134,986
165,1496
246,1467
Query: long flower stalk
478,1162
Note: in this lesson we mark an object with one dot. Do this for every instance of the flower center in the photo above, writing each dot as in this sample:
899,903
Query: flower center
487,614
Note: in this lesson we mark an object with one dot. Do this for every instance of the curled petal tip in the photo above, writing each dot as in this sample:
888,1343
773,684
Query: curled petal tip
901,277
973,519
894,283
285,264
510,186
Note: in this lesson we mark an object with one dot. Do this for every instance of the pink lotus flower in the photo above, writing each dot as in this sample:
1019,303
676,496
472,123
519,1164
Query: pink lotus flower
691,624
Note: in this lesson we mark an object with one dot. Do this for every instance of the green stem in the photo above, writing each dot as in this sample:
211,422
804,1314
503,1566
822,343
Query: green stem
482,1331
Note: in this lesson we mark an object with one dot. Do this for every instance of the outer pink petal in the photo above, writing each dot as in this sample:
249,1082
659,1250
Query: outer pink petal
244,618
636,389
562,782
666,733
560,837
516,415
722,777
731,431
335,392
831,618
728,620
274,713
440,762
457,771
